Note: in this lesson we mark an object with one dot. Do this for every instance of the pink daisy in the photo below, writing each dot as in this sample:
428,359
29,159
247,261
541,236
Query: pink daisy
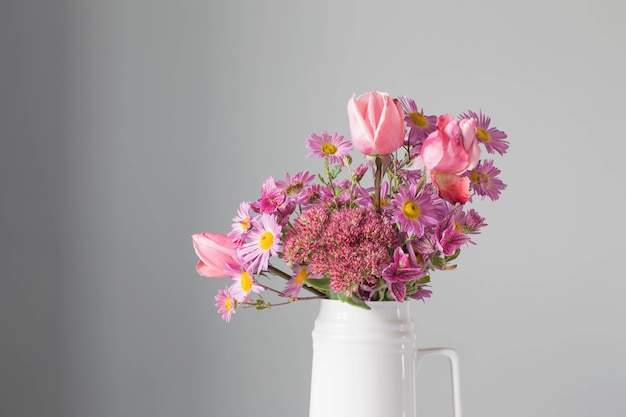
263,242
325,146
225,304
492,138
415,210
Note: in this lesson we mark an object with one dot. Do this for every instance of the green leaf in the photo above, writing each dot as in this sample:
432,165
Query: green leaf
353,301
438,262
322,284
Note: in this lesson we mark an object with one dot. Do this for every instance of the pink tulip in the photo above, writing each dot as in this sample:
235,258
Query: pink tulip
217,253
449,151
376,123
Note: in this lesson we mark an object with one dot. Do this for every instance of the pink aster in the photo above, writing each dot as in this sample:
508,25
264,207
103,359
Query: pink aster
225,304
415,210
293,186
326,146
484,180
492,138
263,242
419,124
271,198
294,285
241,223
244,284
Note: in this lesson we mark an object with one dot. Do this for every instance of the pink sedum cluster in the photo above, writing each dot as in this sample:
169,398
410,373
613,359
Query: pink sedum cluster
350,245
360,238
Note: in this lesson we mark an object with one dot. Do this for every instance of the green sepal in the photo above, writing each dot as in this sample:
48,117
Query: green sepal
453,256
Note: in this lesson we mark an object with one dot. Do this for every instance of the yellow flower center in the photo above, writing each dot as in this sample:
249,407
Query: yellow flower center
482,135
246,281
245,224
267,240
474,176
302,275
418,118
329,148
228,304
411,210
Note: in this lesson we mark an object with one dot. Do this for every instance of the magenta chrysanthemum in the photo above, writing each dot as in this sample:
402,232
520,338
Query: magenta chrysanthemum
492,138
350,245
326,146
414,210
271,198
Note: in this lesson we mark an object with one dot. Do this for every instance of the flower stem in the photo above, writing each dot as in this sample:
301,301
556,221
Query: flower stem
378,177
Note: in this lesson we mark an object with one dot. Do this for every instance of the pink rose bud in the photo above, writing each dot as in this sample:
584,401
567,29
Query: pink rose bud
449,151
217,253
452,148
376,123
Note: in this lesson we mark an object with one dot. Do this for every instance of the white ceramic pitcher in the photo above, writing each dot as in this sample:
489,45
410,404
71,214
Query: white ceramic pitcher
365,362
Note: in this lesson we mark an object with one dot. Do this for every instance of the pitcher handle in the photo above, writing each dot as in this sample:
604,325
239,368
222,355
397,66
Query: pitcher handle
454,369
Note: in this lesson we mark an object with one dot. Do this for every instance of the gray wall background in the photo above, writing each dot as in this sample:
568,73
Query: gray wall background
128,125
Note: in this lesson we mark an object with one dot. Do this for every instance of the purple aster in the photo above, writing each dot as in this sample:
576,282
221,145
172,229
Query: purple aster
326,146
484,180
415,210
492,138
470,222
419,124
263,242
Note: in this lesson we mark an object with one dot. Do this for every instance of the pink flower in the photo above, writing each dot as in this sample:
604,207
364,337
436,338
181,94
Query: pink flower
376,123
226,304
217,253
452,148
449,151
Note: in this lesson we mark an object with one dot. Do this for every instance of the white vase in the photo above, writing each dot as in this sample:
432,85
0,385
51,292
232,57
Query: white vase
365,362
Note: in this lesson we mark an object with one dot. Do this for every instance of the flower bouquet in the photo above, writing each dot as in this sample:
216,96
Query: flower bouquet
357,237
